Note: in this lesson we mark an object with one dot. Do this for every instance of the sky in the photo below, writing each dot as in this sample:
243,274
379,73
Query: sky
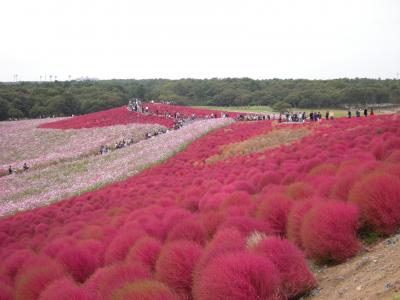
260,39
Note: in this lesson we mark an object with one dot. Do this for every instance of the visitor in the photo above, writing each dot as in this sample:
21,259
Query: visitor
10,170
331,115
25,167
349,114
358,113
372,112
327,115
365,112
311,116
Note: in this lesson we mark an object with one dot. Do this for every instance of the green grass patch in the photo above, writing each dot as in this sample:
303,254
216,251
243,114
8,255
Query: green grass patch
369,237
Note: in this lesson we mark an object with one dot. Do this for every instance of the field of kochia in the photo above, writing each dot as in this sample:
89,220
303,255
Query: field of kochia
240,213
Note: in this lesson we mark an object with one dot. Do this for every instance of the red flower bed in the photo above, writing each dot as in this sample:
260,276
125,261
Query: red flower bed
122,116
110,117
196,229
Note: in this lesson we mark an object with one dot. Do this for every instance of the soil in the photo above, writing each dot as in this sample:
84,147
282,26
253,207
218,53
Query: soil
374,274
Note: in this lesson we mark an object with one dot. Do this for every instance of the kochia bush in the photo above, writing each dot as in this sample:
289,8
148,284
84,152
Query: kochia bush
328,232
236,277
144,290
176,263
378,197
65,289
36,274
291,264
274,211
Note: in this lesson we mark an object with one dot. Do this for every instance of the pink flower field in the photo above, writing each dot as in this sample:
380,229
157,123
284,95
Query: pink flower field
25,142
56,181
239,213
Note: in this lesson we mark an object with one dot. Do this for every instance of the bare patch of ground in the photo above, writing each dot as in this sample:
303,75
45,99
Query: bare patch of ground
374,274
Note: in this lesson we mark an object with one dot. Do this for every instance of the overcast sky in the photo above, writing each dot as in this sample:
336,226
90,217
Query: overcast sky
312,39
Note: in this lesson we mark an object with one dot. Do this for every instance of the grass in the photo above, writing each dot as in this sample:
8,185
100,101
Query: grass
369,237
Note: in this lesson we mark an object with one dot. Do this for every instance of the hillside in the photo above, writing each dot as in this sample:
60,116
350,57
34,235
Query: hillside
250,210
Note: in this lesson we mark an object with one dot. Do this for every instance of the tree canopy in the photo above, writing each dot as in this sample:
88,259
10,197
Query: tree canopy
64,98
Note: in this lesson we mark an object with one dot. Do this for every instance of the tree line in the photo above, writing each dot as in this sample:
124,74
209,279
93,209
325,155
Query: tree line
65,98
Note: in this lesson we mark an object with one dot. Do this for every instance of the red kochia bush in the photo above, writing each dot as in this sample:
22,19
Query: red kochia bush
108,279
144,290
295,219
299,190
236,277
65,289
11,265
225,241
146,251
176,263
291,264
120,245
274,210
378,197
5,291
328,232
36,274
246,225
188,229
79,262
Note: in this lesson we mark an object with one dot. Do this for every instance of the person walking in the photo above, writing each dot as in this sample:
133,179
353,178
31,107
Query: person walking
365,112
349,113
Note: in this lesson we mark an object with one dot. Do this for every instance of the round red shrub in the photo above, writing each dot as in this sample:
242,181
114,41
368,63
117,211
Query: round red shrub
225,241
107,279
53,247
299,190
176,263
325,169
79,262
236,277
378,197
14,262
144,290
145,251
188,229
65,289
266,179
120,245
341,188
237,198
274,210
5,291
246,225
295,219
210,221
36,274
291,264
328,232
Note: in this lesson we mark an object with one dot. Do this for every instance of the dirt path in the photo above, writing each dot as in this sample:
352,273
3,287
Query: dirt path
374,274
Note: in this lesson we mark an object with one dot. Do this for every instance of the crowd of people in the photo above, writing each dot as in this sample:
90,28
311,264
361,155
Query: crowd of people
135,105
25,168
358,113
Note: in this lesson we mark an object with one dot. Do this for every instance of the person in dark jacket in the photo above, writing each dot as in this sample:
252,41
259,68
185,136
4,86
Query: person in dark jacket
365,112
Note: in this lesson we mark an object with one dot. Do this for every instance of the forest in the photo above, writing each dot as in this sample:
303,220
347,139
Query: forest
65,98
